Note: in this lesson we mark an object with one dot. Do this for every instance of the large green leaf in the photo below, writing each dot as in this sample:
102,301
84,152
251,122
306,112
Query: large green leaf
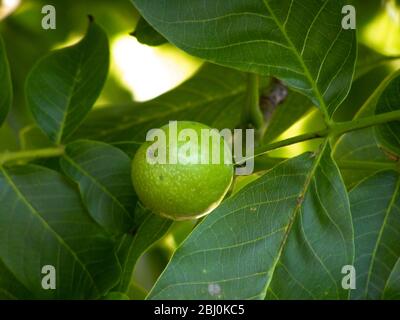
214,96
285,236
389,134
359,150
5,84
63,86
301,42
43,222
375,205
103,174
131,246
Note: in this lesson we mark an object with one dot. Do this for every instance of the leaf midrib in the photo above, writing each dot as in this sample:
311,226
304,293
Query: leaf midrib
307,72
47,226
69,97
294,215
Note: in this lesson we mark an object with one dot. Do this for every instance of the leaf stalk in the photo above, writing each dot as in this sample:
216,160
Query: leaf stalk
252,112
334,129
31,154
339,128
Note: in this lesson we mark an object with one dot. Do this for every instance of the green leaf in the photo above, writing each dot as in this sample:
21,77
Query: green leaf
146,34
285,236
135,292
368,59
301,42
5,83
389,134
360,149
392,290
241,181
129,147
8,139
362,89
31,137
375,205
103,174
214,96
43,222
63,86
10,287
116,296
132,246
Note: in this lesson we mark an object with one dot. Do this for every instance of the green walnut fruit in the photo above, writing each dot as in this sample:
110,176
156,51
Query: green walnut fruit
185,172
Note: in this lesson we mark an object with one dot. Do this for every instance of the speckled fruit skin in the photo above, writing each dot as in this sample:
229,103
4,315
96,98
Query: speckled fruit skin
181,191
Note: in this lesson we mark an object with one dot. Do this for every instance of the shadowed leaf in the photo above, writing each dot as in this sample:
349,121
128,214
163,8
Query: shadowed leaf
284,236
41,211
389,134
5,84
103,174
131,247
361,146
214,96
375,205
145,34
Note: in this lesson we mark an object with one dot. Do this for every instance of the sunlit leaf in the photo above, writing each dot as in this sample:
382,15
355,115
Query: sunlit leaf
63,86
301,42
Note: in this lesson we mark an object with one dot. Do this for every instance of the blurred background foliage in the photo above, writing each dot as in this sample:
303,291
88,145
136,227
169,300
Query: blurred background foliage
137,72
140,72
